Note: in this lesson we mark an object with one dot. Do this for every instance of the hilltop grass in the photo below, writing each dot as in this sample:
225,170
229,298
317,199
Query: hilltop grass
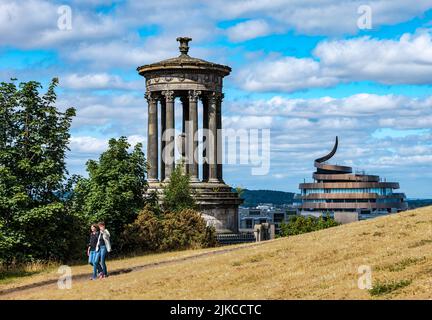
317,265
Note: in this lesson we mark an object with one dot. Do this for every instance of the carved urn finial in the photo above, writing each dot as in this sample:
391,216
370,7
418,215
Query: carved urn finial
184,45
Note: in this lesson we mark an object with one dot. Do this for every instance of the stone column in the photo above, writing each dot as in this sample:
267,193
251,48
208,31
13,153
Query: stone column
205,165
169,136
219,141
162,140
191,139
152,138
214,98
183,145
185,107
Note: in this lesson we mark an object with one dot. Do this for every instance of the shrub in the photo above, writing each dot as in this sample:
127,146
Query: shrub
144,234
186,229
302,224
170,231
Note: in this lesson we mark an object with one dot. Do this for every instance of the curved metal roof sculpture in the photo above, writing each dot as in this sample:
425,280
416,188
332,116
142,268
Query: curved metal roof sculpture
331,154
324,168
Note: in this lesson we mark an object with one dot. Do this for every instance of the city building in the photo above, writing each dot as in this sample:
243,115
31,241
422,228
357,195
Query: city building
337,190
264,213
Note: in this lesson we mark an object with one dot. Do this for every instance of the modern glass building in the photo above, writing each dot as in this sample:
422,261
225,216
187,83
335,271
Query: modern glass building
337,189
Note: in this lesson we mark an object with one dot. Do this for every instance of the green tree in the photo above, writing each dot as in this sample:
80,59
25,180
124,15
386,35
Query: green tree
114,190
34,134
178,194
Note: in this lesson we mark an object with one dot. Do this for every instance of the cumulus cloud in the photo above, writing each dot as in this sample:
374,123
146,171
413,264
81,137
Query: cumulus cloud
98,81
85,147
87,144
248,30
407,60
111,114
124,54
404,61
34,24
322,17
283,74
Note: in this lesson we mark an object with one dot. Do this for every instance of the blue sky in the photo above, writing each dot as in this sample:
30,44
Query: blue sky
303,69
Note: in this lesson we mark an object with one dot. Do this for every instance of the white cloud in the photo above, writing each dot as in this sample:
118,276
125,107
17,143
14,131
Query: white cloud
111,115
34,24
407,60
362,105
85,147
22,27
248,30
407,122
119,54
321,17
87,144
98,81
283,74
404,61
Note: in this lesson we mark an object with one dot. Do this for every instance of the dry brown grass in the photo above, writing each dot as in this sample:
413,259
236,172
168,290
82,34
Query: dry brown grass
318,265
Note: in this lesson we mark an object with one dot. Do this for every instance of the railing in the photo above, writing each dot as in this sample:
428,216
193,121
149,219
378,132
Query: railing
235,238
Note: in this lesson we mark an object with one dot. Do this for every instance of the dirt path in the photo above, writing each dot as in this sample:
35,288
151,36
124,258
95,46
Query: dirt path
11,292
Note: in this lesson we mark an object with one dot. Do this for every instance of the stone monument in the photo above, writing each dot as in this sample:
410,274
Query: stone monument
191,80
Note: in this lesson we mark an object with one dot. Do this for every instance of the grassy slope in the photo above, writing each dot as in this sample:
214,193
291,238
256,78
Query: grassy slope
322,265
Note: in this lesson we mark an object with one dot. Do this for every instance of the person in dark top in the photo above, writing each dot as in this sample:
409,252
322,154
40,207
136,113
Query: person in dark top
92,253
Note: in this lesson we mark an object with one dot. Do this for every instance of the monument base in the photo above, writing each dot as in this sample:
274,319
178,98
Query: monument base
217,202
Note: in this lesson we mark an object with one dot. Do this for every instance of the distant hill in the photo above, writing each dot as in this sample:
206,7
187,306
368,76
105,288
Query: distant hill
253,198
418,203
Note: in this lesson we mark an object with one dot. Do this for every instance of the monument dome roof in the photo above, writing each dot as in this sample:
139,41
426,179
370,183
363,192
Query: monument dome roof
184,62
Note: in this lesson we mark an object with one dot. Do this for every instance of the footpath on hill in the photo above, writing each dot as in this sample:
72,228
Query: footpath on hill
118,271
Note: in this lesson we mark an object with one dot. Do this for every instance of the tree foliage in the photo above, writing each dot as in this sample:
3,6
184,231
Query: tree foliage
34,134
177,225
177,193
302,224
114,190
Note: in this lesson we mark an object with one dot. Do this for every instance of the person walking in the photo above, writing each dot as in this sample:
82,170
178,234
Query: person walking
103,246
91,251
